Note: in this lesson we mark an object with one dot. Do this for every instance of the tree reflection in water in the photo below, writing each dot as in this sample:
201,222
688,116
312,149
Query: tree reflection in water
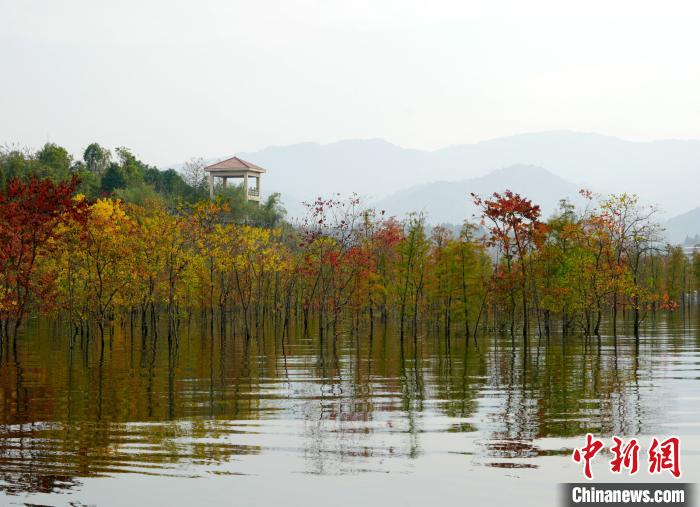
207,403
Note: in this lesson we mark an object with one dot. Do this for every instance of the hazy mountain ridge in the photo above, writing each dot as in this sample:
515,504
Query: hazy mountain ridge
451,201
377,168
420,180
684,226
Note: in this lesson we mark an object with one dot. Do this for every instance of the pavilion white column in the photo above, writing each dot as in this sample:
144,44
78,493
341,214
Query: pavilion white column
211,186
257,185
245,185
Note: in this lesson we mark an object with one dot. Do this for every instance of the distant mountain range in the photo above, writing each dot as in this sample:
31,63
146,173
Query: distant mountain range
451,202
684,227
545,167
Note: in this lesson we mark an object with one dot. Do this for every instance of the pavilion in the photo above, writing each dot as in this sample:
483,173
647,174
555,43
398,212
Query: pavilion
235,167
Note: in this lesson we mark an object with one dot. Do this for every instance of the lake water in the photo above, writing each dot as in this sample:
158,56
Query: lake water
303,422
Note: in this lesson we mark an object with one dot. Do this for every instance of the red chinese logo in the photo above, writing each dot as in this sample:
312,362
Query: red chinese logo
665,456
626,456
587,453
662,455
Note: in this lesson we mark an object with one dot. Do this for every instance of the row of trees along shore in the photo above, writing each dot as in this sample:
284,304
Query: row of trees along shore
143,253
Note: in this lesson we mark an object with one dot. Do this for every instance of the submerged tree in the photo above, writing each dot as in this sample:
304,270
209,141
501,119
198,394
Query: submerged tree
31,215
515,231
154,255
634,235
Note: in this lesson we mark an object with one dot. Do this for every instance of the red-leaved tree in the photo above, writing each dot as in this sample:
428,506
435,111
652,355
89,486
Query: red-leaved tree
30,215
515,229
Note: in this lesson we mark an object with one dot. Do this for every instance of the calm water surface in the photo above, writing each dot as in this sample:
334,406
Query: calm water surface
301,422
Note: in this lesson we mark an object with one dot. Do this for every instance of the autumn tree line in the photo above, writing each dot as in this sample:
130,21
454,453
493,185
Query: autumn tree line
97,261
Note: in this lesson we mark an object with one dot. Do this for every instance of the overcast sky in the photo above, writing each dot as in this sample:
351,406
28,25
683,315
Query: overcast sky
175,79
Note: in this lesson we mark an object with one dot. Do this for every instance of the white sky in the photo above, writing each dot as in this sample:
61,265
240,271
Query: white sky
173,79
